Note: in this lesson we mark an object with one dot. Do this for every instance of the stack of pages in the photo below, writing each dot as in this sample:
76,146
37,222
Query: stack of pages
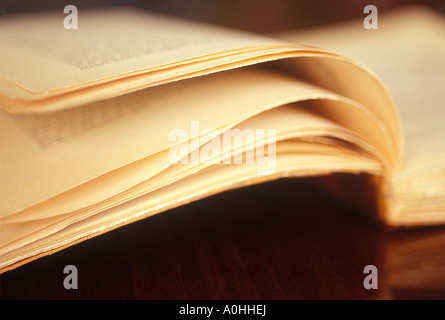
135,113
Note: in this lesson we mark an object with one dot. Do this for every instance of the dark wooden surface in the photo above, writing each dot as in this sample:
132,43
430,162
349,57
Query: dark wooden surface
281,240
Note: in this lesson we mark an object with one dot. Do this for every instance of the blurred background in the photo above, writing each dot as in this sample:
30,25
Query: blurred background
261,16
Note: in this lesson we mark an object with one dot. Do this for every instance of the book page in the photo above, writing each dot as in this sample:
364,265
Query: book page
298,131
123,48
101,47
408,53
71,147
47,68
314,160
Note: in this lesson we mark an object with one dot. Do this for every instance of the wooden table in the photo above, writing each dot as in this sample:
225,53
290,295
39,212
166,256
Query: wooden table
281,240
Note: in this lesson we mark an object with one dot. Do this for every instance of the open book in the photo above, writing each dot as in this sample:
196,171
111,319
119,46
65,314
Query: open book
134,113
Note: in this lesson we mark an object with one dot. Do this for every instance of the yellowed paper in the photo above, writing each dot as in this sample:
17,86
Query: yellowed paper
408,53
68,175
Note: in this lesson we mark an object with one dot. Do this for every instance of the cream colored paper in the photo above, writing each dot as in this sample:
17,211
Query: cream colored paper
72,174
408,53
